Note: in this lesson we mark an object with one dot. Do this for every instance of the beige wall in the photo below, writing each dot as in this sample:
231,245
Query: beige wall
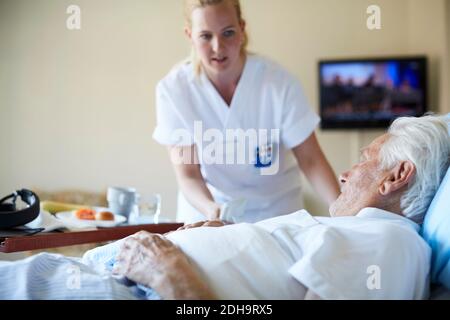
427,24
447,18
77,107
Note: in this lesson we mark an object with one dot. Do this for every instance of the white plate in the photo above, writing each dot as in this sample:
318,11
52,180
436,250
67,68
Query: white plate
69,217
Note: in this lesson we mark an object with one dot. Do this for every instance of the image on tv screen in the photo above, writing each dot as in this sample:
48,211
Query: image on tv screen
359,94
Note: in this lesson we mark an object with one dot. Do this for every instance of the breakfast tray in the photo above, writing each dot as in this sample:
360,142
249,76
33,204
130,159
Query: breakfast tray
63,239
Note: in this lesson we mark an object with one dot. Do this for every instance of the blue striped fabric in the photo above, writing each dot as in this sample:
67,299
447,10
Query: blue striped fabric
102,260
55,277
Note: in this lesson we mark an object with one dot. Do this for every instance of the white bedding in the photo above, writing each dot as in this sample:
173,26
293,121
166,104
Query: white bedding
272,259
55,277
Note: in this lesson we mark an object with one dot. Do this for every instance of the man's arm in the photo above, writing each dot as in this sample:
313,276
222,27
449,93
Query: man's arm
154,261
310,295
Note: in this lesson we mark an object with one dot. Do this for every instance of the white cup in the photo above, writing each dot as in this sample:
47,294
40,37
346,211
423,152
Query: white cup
121,200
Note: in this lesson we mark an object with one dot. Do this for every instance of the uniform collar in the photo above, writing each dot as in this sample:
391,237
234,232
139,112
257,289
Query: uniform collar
387,215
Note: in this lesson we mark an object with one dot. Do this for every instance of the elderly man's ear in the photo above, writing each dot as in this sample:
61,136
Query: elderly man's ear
398,178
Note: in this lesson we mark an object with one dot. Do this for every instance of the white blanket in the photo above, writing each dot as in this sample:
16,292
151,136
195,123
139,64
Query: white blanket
374,255
55,277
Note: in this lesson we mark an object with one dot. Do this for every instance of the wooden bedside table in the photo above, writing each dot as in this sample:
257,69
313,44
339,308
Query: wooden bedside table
64,239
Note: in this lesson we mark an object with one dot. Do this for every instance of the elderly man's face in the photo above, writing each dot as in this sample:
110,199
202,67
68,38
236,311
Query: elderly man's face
359,186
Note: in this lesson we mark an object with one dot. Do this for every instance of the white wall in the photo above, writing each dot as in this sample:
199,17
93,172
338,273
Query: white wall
77,107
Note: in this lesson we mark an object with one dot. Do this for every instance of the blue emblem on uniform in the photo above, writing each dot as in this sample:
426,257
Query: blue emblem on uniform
264,156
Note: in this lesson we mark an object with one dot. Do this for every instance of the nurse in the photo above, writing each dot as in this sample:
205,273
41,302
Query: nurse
237,125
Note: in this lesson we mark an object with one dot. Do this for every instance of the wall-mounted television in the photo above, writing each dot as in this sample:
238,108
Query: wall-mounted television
371,93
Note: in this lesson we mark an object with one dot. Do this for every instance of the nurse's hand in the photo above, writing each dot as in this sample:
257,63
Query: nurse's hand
211,223
155,262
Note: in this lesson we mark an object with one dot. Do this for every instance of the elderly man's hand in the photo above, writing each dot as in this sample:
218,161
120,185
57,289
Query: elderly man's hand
155,262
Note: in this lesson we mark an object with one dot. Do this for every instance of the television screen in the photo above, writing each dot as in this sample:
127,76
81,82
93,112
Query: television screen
371,93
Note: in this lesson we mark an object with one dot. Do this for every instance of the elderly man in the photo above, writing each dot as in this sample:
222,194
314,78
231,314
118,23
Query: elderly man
369,249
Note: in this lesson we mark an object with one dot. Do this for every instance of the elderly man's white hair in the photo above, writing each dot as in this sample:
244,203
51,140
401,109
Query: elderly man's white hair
425,142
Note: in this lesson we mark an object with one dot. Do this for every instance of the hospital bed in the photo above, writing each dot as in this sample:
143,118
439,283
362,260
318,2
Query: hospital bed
436,231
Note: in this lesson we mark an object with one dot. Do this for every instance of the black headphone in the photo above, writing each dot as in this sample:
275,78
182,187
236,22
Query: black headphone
11,217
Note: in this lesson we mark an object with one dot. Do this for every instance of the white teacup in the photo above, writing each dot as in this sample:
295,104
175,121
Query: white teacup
122,200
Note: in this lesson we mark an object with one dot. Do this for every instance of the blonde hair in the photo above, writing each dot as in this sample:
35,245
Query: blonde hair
191,5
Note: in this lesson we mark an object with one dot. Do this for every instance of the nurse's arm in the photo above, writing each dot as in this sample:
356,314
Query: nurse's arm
316,168
203,224
200,224
191,182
